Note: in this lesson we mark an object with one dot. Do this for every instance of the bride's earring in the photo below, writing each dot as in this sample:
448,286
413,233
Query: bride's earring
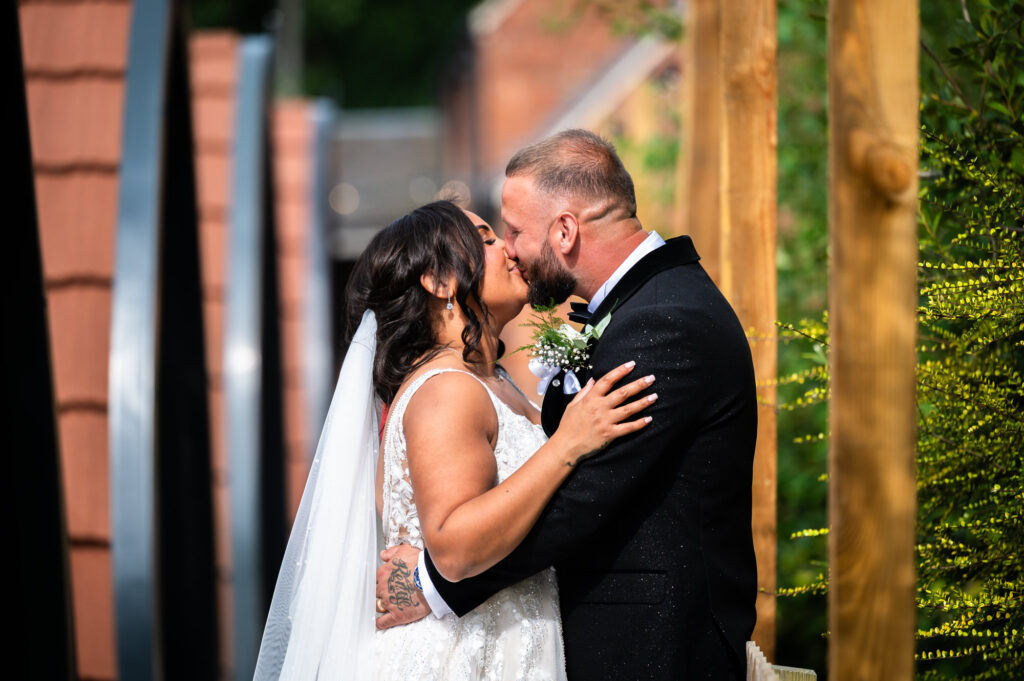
449,305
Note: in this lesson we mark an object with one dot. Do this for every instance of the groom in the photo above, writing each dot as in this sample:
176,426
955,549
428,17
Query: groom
650,538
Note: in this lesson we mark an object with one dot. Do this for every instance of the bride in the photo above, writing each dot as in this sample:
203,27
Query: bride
464,468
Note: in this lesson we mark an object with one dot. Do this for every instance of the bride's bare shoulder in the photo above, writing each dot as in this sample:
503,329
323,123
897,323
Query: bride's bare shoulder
449,400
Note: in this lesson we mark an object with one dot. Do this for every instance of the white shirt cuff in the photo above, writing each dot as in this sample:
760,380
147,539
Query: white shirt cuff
434,600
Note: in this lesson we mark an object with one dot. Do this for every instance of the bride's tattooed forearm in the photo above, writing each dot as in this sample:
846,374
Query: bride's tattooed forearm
402,592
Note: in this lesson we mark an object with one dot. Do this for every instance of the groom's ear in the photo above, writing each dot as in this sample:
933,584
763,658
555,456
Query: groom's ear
566,231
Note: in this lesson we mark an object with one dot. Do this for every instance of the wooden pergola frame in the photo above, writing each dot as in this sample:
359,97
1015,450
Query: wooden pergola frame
726,200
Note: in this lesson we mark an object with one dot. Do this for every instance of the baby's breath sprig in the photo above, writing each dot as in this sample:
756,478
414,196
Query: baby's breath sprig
557,344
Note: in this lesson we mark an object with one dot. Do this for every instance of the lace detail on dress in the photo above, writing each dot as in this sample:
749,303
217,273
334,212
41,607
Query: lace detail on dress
517,633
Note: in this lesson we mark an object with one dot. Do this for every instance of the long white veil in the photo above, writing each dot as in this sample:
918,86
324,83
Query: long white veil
321,619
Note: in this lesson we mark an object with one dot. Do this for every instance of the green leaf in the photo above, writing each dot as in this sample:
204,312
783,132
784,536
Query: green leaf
998,107
1017,160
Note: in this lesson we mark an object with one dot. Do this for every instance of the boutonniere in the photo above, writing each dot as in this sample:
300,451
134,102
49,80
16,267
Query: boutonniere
559,347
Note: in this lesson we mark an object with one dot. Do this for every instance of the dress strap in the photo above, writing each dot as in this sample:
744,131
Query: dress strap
420,380
508,377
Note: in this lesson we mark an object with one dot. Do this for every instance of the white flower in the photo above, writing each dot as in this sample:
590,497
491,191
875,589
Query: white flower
569,332
560,347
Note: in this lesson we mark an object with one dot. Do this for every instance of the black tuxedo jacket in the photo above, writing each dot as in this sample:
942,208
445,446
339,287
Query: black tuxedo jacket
651,538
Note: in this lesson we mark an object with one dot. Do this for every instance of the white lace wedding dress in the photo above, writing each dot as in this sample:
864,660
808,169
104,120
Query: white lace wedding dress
517,634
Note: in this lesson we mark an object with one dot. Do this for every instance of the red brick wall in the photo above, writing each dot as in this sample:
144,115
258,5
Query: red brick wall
293,139
75,54
530,67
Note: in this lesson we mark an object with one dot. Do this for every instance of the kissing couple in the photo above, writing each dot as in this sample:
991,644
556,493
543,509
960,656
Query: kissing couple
603,535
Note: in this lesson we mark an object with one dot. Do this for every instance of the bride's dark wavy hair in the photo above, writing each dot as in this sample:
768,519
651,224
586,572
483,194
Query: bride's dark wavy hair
437,238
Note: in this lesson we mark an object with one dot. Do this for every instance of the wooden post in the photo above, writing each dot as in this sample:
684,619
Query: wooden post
873,110
696,204
747,171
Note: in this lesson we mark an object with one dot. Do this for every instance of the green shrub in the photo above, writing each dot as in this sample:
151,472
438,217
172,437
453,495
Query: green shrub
970,454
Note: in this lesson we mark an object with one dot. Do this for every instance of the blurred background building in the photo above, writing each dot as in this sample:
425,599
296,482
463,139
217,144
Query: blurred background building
194,179
200,180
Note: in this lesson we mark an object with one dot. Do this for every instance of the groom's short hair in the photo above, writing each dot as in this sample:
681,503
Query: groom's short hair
577,163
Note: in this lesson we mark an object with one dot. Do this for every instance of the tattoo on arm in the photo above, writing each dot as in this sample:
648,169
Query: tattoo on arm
402,592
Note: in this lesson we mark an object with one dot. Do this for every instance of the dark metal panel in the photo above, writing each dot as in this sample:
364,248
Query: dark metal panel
159,436
188,597
252,363
317,343
41,641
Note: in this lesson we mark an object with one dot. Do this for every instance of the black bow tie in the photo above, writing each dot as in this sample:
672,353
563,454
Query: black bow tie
579,313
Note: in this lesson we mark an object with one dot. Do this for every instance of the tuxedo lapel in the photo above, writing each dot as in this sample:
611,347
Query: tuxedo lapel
677,251
555,399
553,406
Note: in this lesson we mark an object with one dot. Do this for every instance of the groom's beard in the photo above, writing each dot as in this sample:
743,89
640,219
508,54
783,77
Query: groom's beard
550,281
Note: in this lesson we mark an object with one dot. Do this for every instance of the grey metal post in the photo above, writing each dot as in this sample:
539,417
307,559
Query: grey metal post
133,347
159,435
244,352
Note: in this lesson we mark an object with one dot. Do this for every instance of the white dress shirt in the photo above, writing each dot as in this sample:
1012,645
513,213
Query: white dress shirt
651,243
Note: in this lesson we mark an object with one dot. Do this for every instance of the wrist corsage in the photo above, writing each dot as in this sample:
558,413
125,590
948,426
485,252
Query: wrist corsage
559,347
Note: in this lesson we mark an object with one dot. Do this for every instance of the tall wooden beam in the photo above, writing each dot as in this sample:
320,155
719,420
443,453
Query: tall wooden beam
697,190
747,172
873,111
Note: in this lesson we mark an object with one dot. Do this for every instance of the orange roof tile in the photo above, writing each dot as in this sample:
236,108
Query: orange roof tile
79,318
85,467
214,121
93,598
77,211
76,123
69,38
214,62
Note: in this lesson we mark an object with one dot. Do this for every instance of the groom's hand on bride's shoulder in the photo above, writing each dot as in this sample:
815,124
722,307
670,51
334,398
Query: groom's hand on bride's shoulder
398,595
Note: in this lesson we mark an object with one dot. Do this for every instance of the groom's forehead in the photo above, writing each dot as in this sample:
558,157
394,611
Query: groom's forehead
508,217
517,188
516,195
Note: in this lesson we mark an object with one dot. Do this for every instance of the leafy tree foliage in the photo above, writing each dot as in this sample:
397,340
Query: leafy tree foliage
360,53
971,347
970,389
802,260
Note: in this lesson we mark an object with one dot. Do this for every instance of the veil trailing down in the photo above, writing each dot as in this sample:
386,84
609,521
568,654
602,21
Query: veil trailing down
321,619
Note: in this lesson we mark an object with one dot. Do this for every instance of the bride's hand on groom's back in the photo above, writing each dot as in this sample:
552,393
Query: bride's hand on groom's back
398,596
598,414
